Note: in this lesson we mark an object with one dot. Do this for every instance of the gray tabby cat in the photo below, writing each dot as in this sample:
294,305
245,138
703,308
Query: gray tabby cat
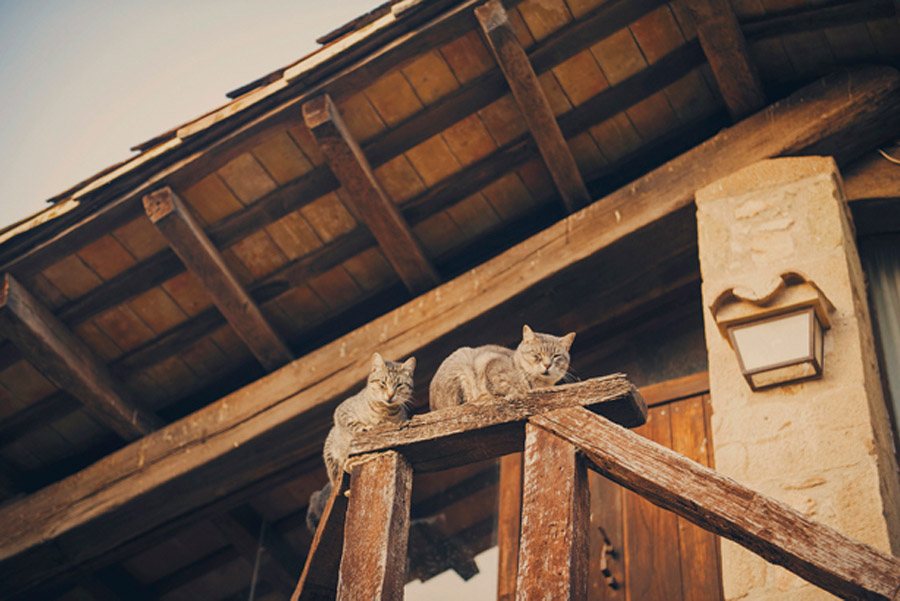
384,399
480,375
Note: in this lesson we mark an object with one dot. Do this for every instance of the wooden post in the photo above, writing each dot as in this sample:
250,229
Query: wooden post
68,362
553,556
535,107
376,532
726,50
380,214
769,528
509,518
187,238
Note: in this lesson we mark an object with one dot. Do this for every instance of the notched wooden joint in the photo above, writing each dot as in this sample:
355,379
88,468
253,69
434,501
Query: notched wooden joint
159,203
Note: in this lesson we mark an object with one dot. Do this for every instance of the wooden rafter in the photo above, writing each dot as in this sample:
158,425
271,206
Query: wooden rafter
247,436
770,528
535,108
348,163
728,56
187,238
68,362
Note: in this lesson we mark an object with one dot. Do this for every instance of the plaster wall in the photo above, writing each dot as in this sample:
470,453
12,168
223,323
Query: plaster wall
822,446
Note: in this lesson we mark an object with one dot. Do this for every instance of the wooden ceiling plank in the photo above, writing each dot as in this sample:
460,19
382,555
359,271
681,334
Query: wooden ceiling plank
187,238
772,529
345,157
533,103
726,50
68,362
249,435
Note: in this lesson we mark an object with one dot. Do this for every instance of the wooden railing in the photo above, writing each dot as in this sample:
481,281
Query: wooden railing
564,431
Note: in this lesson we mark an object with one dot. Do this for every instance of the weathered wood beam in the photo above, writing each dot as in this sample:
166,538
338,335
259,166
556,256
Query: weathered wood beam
535,108
348,163
553,554
726,50
376,532
319,579
817,18
509,518
68,362
439,440
186,237
248,435
770,528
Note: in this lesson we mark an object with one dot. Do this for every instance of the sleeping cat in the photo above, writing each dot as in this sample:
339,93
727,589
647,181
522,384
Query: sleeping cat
480,375
384,399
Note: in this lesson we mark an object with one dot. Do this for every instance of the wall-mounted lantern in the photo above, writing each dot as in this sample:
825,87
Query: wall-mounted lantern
778,335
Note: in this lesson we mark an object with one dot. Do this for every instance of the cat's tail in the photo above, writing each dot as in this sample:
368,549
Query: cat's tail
317,502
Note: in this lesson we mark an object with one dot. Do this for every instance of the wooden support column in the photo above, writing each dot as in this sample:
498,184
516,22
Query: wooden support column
372,204
187,238
509,517
68,362
376,532
726,50
553,556
529,95
769,528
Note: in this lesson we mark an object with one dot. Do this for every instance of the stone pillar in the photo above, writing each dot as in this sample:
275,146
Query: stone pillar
823,446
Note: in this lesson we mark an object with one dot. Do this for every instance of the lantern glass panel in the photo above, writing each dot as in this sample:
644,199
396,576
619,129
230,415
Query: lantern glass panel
774,341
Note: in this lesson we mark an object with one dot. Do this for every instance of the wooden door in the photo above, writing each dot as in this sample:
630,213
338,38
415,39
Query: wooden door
655,555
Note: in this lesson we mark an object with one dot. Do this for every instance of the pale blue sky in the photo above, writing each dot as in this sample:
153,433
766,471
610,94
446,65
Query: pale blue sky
84,80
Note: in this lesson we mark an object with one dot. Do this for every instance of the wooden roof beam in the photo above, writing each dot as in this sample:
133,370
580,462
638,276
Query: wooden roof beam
535,108
249,435
348,163
728,56
67,362
186,237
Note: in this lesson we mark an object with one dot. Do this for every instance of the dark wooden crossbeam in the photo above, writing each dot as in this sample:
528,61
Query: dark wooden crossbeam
535,108
439,440
726,50
364,193
68,362
187,238
769,528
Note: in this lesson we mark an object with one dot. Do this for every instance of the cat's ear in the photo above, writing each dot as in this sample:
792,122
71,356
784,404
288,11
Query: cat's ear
409,366
567,340
377,362
527,333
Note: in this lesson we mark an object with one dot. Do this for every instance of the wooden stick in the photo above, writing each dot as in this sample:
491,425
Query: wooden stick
400,246
187,238
535,107
769,528
68,362
319,579
373,565
553,553
464,434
